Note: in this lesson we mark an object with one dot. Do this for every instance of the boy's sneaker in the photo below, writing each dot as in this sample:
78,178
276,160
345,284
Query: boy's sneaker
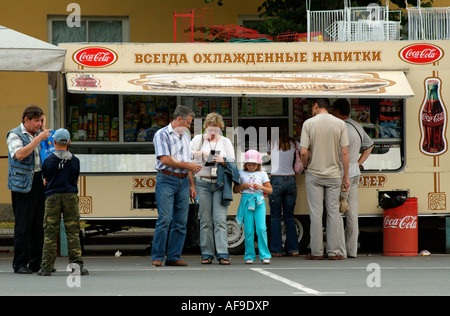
83,271
44,273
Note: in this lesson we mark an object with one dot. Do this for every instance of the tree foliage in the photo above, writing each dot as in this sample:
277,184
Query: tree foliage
281,16
290,15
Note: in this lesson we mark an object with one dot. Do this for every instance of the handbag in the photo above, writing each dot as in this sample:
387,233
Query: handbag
192,239
343,205
298,165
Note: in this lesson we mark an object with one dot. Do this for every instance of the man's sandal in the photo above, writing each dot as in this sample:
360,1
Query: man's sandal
206,261
224,261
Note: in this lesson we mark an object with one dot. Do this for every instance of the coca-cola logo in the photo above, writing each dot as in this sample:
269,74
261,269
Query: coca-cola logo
421,53
95,57
433,120
407,222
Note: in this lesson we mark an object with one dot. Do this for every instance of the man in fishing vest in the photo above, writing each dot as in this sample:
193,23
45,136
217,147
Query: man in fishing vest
27,189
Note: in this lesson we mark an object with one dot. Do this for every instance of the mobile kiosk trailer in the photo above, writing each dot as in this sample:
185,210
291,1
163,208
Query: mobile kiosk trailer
116,96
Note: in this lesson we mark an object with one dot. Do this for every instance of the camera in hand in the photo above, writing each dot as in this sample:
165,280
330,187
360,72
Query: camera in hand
209,161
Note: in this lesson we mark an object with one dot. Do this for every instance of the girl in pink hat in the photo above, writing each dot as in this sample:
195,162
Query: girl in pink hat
252,209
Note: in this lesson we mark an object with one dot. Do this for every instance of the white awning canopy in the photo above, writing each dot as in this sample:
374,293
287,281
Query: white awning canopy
20,52
384,84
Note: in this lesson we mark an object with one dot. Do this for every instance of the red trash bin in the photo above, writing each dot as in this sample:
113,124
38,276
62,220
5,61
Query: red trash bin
400,231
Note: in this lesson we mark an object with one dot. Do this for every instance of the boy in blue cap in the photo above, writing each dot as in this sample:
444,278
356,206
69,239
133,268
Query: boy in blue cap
60,172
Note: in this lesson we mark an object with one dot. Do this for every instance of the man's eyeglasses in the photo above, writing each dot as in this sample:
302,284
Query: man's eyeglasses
187,123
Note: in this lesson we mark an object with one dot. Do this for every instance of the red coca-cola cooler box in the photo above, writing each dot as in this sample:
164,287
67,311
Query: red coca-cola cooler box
400,229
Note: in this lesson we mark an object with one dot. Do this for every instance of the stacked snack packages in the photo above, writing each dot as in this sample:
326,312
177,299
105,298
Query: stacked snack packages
96,117
144,115
204,107
248,107
93,121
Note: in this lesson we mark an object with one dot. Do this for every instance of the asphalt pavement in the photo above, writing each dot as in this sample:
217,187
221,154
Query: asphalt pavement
129,273
111,275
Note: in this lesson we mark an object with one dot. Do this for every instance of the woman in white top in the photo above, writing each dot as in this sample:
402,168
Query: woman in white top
284,195
210,149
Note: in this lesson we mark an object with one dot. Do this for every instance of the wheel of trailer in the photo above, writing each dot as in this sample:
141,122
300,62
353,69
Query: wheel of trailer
302,233
236,237
298,227
302,223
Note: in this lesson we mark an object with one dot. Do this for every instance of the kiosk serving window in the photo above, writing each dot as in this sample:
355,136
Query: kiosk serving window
92,117
202,106
257,115
382,119
144,115
114,133
263,112
113,118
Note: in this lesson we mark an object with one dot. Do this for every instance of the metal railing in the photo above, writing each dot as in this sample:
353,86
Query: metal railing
428,23
354,24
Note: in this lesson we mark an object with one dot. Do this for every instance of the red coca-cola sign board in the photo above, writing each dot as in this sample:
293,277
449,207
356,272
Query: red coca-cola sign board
421,53
406,222
95,57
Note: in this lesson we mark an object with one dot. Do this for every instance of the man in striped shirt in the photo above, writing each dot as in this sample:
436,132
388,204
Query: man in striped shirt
174,186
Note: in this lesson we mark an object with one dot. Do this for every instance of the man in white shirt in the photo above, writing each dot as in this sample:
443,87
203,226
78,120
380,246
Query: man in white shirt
324,138
27,189
359,140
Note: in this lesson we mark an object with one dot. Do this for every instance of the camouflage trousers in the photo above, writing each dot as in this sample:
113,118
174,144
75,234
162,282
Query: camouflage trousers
67,205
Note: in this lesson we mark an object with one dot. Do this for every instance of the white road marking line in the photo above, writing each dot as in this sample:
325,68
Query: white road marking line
304,289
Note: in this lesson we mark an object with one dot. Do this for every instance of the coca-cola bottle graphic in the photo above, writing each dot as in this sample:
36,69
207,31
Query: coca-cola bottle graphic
433,120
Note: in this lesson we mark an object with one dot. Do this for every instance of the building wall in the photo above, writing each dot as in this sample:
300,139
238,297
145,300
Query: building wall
150,21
